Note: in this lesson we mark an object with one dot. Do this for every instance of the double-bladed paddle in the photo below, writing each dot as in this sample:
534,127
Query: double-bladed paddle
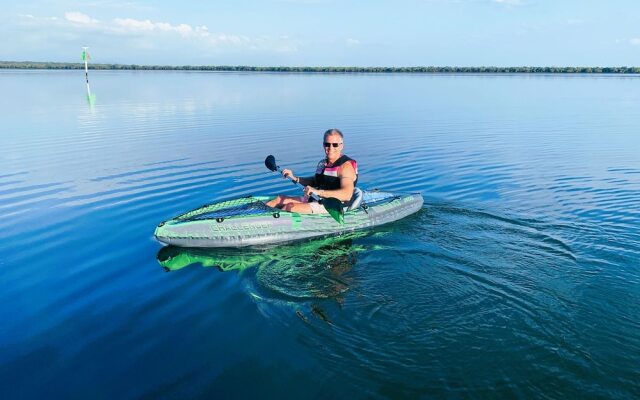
331,204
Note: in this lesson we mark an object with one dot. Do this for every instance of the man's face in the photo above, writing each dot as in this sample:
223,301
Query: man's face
330,148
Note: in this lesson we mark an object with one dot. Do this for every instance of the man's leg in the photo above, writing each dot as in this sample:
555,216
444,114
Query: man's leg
281,201
302,208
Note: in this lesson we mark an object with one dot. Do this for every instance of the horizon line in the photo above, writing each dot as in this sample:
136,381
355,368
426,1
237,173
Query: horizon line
351,69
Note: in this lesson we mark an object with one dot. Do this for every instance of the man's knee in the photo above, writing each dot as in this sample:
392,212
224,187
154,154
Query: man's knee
273,202
297,207
281,200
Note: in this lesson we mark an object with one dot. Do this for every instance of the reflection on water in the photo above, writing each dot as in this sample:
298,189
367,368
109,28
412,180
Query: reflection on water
298,277
308,270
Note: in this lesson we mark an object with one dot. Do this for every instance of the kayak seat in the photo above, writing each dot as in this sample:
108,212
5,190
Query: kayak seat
356,200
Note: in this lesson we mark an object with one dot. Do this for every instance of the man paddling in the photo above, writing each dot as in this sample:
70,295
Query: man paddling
335,177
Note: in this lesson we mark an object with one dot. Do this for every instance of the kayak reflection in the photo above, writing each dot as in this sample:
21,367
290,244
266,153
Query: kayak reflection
313,269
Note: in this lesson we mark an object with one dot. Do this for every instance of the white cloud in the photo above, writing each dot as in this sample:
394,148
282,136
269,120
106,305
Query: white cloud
635,41
185,31
353,42
198,35
33,19
130,25
145,33
508,2
115,4
80,18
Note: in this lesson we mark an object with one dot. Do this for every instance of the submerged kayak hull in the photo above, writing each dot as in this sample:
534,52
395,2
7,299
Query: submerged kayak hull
248,222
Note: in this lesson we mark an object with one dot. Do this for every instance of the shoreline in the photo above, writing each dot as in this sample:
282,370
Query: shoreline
246,68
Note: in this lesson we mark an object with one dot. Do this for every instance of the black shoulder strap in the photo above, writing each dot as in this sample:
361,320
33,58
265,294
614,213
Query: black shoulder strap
343,159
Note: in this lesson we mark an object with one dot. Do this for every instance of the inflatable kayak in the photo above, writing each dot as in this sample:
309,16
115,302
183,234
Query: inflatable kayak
248,221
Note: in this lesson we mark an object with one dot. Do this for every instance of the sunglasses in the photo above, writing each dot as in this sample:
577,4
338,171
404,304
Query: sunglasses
327,144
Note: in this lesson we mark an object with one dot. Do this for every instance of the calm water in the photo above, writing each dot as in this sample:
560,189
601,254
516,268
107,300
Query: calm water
519,278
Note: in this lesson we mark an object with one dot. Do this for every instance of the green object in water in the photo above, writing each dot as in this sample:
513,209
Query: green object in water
318,252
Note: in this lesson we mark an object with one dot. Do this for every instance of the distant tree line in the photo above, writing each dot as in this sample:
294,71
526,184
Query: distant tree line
245,68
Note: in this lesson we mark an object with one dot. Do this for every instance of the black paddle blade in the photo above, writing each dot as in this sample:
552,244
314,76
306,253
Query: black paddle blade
270,162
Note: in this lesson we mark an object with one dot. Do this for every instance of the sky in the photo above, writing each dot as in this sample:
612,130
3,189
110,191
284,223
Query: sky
325,32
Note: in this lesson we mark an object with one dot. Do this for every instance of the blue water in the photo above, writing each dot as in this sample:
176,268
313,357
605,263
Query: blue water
519,278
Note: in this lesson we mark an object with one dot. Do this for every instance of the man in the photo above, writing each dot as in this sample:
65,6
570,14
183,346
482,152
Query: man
336,176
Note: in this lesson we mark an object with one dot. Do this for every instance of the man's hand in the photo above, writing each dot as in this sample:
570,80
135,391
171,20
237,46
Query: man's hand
287,172
309,191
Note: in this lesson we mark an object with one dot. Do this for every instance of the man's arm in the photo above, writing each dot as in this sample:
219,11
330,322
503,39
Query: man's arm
307,181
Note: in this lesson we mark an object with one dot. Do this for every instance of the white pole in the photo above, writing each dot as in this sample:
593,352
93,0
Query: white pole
85,55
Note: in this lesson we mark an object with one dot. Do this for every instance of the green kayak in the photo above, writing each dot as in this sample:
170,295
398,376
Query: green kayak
248,221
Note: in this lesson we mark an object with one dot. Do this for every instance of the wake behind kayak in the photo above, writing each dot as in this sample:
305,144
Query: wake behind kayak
248,221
